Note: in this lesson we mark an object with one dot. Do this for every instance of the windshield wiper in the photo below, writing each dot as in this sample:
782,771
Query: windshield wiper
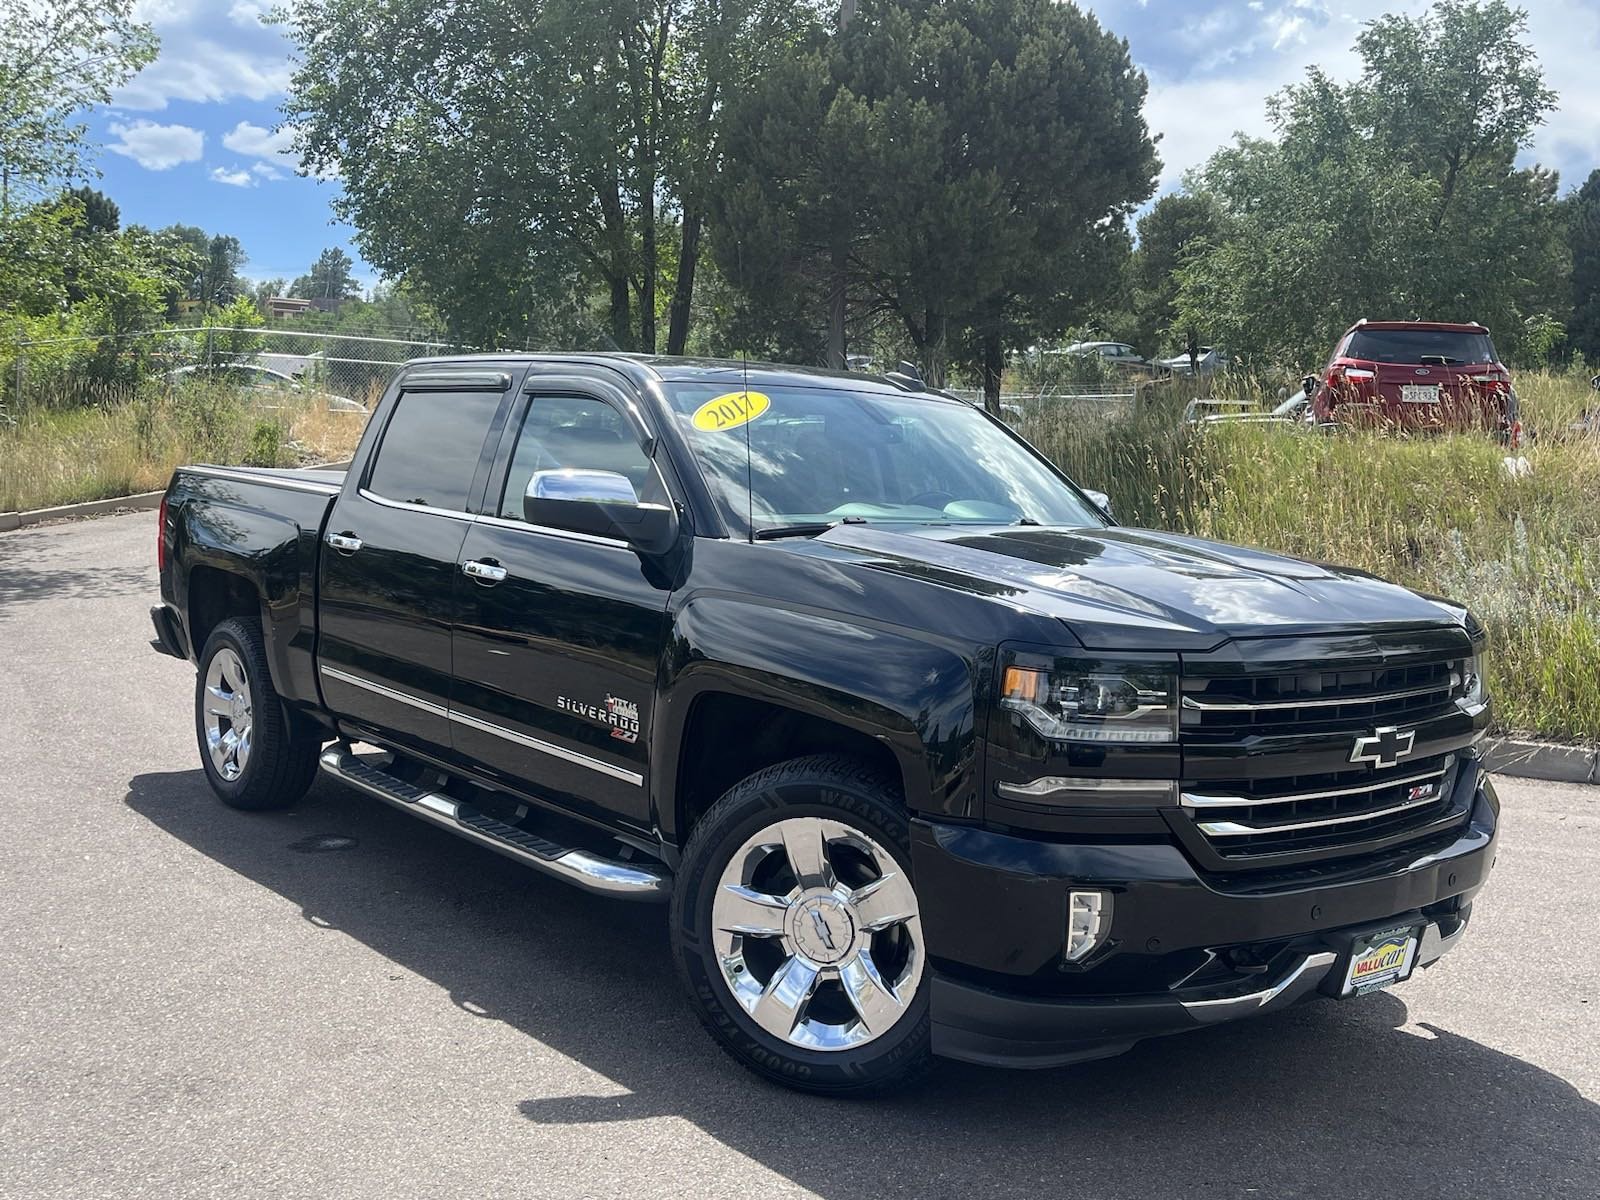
804,529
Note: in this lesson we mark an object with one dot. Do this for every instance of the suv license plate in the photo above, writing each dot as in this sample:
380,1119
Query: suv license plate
1380,959
1411,393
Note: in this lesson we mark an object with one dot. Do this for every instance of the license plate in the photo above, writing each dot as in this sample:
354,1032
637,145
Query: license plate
1380,959
1416,393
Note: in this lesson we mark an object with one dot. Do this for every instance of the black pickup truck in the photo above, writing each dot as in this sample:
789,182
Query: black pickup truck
927,754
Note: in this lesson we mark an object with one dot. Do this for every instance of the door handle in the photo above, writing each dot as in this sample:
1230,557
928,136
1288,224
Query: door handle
483,570
344,543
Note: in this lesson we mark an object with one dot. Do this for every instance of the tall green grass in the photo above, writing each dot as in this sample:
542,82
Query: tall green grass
1441,514
119,441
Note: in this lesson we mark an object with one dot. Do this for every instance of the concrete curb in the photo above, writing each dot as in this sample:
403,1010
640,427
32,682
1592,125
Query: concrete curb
1542,760
142,502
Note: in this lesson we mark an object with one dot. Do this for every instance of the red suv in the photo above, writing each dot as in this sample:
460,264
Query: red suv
1417,375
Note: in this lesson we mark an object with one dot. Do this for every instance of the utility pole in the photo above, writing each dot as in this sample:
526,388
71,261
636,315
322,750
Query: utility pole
836,281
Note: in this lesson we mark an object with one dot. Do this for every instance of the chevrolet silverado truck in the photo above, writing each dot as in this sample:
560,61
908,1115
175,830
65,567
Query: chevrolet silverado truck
928,756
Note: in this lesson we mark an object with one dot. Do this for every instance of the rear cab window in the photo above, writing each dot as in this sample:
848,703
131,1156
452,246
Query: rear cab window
431,448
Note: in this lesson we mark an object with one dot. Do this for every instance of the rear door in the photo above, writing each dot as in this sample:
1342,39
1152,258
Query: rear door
387,571
556,654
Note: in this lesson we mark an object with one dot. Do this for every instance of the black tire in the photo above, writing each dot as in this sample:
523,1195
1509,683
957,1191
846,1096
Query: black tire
837,789
282,759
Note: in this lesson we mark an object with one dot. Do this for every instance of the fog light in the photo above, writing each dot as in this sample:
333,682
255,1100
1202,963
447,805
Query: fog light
1088,919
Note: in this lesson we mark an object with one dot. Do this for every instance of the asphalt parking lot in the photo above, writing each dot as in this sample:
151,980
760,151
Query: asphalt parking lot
343,1002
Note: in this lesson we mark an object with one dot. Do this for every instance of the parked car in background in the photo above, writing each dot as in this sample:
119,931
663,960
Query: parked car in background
1417,375
263,381
1209,361
1117,354
1199,410
1292,411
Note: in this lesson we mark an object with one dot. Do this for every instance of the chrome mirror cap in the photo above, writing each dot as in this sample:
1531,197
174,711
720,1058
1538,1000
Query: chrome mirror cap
1101,500
571,483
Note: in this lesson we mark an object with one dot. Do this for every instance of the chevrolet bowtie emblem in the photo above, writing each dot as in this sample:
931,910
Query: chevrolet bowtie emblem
1386,746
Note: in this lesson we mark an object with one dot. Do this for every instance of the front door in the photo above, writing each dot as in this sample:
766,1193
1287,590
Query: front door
388,567
558,634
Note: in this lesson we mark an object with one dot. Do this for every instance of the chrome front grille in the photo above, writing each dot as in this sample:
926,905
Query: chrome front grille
1319,813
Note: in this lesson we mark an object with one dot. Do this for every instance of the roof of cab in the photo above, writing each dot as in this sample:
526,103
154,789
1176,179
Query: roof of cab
644,368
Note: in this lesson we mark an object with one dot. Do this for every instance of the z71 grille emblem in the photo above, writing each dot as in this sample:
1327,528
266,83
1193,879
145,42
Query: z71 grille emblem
1386,746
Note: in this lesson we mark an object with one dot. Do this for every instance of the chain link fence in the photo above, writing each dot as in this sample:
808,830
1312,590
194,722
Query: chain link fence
349,370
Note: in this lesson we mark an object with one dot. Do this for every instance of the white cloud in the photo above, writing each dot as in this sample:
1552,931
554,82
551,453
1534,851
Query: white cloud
209,52
157,147
238,177
248,13
245,138
272,149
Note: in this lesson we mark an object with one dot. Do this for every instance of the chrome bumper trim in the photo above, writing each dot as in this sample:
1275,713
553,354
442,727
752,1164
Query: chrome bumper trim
1305,978
1436,945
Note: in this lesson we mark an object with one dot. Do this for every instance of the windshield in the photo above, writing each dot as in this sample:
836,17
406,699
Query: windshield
820,455
1441,346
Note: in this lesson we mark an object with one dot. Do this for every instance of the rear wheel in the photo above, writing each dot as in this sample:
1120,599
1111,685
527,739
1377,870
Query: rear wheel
797,931
255,754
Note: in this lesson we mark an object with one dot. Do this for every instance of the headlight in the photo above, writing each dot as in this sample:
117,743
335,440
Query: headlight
1470,688
1094,702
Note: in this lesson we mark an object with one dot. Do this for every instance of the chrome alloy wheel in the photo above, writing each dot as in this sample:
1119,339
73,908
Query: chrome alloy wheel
229,718
817,934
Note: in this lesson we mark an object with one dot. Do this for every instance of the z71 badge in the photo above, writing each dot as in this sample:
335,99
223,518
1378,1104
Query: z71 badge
621,716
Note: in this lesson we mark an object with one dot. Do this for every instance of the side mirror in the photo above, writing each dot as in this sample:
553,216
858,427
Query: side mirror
599,503
1309,385
1101,500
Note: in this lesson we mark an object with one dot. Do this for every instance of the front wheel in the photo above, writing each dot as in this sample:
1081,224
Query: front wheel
797,931
255,755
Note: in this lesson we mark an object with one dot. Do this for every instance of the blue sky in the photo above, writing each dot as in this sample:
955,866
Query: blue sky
195,139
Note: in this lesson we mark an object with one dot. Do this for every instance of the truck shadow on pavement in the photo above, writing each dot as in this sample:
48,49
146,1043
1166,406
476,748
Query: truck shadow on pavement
1326,1099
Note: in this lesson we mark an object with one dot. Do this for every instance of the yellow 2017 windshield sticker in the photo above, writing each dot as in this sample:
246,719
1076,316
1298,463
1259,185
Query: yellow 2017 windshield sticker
730,411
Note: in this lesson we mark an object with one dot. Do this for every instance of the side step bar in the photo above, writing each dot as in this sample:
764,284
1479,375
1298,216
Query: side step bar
605,876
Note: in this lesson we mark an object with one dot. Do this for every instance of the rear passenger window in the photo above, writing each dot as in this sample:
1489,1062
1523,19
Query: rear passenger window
431,446
563,432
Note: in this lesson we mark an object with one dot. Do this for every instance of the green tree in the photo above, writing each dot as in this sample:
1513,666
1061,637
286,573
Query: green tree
1395,195
266,289
966,166
611,107
1584,240
328,279
57,58
100,211
1177,228
36,258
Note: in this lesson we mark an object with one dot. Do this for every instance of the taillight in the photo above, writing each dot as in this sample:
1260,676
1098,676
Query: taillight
1357,373
161,536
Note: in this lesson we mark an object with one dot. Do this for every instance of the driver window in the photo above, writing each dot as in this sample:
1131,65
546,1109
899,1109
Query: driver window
580,432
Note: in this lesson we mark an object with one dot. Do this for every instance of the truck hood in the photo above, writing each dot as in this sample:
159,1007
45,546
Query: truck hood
1139,589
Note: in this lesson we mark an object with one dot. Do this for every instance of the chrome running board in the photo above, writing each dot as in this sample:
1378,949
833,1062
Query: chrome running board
651,882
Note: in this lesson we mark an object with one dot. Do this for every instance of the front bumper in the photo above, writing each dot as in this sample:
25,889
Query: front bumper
1184,950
